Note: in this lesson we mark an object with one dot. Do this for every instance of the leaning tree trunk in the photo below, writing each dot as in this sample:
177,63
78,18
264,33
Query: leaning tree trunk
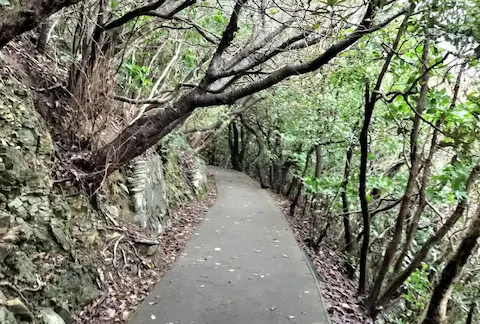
26,16
135,140
412,228
437,309
396,282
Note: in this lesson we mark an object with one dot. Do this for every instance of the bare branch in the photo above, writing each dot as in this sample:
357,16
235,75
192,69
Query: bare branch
290,70
154,101
147,11
133,14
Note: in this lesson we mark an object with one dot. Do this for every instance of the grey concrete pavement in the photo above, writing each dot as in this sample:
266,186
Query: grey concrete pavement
242,266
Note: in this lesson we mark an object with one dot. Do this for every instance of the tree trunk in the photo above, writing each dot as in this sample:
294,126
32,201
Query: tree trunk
284,169
345,203
45,29
276,175
135,140
437,309
245,136
26,16
412,228
415,158
470,314
259,160
370,101
292,187
300,182
362,191
396,282
318,173
233,140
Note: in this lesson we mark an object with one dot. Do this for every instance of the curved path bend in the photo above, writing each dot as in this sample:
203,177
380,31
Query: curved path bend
242,266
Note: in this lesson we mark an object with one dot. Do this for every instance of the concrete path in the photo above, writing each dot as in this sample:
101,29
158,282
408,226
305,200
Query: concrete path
243,266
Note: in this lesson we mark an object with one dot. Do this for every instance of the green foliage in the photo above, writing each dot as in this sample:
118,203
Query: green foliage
417,293
189,59
453,177
326,186
139,74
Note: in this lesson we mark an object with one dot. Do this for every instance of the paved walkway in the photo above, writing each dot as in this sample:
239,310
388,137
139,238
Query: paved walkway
243,266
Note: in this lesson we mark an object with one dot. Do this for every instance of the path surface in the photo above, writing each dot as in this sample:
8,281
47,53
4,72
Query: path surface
243,266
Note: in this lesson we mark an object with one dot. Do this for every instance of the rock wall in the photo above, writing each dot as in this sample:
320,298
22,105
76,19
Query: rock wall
146,185
154,186
47,236
39,229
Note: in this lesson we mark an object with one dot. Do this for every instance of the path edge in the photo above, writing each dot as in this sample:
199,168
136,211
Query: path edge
305,255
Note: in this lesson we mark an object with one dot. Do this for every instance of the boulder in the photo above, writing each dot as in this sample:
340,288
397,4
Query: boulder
50,317
7,317
18,308
22,266
75,287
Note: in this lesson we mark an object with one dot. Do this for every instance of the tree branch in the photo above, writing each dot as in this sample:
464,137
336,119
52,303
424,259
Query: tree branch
133,14
147,10
27,15
205,100
228,35
159,101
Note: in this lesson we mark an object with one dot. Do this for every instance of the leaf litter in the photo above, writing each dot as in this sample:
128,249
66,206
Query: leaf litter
127,276
339,291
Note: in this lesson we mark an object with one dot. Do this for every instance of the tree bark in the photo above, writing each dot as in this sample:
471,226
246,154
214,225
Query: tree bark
277,163
233,140
135,140
437,309
245,137
362,191
28,15
45,29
